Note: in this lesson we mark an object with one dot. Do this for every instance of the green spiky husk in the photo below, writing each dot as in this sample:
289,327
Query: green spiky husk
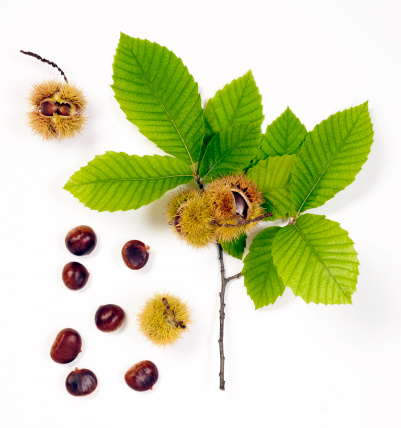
196,221
191,218
152,323
176,202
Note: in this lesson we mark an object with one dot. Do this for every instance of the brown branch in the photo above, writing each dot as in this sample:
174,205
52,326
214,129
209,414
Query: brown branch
46,61
222,316
243,223
234,277
224,282
198,180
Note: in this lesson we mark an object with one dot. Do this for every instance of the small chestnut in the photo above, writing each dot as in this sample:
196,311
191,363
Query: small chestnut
81,240
142,376
66,346
81,382
75,275
135,254
48,108
109,318
64,109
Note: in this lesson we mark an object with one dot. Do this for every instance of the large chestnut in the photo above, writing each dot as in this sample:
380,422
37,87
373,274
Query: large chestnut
109,318
81,240
135,254
81,382
75,275
66,346
142,376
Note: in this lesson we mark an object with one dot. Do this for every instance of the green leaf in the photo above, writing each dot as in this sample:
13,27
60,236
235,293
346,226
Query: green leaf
231,150
260,275
284,136
206,140
238,102
236,247
331,156
116,181
272,176
158,95
317,259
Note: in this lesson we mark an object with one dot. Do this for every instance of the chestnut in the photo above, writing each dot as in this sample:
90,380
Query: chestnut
135,254
109,318
64,109
66,346
241,206
75,275
81,382
48,108
81,240
142,376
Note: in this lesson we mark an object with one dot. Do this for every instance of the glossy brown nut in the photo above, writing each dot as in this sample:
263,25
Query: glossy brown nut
66,346
64,109
48,108
81,382
241,207
142,376
109,318
135,254
75,275
81,240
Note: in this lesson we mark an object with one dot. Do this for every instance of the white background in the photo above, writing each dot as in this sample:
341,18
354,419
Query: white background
290,365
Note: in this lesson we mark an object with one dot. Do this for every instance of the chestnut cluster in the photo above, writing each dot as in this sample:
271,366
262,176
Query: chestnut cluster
80,382
79,241
226,209
108,318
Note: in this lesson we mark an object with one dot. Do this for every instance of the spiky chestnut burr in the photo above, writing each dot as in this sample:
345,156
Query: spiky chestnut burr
191,217
235,201
57,108
163,319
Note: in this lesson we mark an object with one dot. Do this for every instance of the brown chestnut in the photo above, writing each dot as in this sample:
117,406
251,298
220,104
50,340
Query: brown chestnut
48,108
75,275
81,382
81,240
135,254
142,376
64,109
241,207
66,346
109,318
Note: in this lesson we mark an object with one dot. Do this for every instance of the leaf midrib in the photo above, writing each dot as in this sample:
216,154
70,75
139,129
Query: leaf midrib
130,179
322,262
162,104
216,163
331,160
236,109
239,102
